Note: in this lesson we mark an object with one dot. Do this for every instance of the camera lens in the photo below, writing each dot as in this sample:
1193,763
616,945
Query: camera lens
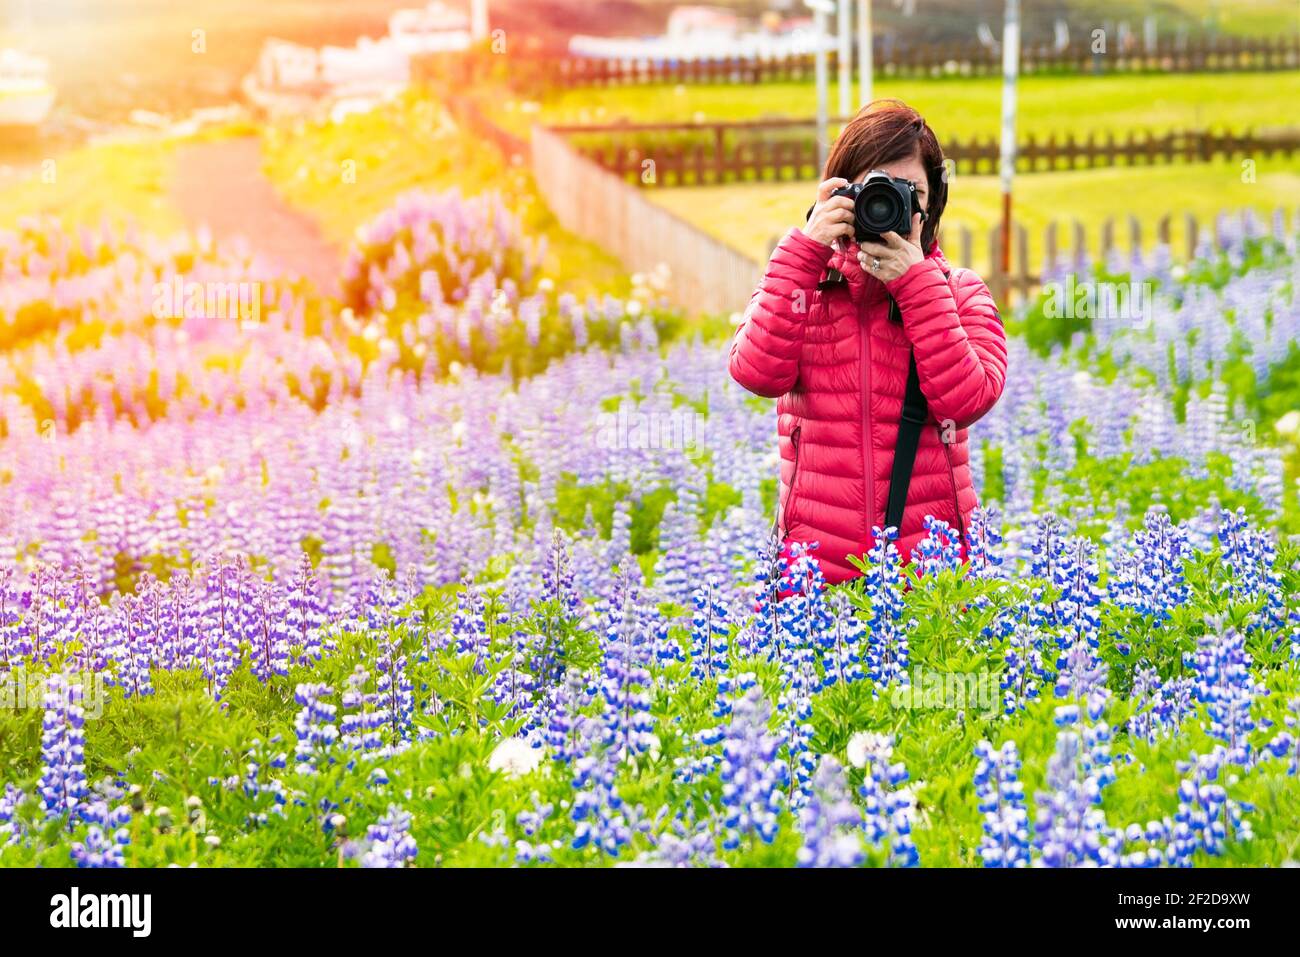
882,209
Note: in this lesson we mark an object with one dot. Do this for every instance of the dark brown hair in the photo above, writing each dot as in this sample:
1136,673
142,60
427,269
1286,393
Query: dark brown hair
886,131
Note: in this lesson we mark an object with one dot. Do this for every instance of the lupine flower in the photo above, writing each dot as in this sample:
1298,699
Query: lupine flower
1002,802
940,550
1285,743
888,807
314,727
1225,684
63,781
1207,818
107,834
709,633
887,654
831,823
391,844
753,780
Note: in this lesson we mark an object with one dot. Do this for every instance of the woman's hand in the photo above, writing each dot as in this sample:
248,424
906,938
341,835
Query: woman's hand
832,217
889,259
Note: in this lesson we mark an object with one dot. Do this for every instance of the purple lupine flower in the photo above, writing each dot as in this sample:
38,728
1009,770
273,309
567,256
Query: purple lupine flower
1071,828
1002,802
887,806
11,828
390,841
831,823
1225,684
107,834
1287,743
709,633
983,536
940,550
1207,817
753,780
63,781
887,652
314,728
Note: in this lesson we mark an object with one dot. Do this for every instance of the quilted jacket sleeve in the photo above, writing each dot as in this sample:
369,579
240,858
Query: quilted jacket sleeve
958,340
765,350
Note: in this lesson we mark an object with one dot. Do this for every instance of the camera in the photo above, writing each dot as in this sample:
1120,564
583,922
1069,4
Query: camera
882,204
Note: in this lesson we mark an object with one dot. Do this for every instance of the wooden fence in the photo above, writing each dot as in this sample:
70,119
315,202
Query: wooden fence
1169,55
711,277
696,154
708,276
1070,245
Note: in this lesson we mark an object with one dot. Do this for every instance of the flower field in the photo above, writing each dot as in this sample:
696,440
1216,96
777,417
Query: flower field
414,578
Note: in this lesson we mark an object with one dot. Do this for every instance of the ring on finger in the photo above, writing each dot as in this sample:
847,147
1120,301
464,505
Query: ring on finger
875,263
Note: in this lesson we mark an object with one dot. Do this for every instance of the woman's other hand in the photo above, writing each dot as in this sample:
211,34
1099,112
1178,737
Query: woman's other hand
894,255
832,217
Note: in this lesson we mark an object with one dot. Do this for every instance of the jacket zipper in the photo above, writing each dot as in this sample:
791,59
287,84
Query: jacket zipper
952,477
864,361
794,477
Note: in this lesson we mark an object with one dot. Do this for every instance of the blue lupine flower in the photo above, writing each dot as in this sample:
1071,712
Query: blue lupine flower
842,642
983,536
1148,576
709,633
1002,802
1284,744
887,807
753,780
887,652
940,550
107,835
1159,706
1225,684
63,781
391,844
314,727
10,826
1207,818
831,823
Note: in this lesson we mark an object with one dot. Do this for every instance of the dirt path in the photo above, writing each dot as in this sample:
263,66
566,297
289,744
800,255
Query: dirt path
221,184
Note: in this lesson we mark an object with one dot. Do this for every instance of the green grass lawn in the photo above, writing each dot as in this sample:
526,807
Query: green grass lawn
955,107
749,216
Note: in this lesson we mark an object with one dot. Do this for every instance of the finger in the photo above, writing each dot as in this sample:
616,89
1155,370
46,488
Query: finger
893,240
838,202
876,250
914,237
824,190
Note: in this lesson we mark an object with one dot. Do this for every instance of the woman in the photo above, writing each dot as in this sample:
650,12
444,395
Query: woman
823,336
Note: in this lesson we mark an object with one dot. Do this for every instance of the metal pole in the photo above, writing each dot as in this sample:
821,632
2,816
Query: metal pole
1007,160
820,9
478,19
844,55
865,52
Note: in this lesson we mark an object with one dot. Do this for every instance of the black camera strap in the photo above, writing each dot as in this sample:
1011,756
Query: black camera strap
912,419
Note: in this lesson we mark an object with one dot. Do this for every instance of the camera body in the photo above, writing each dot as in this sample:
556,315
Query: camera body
881,204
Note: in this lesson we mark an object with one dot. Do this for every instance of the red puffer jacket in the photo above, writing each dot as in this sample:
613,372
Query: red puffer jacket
837,364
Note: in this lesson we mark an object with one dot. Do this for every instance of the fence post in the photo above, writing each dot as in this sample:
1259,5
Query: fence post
1191,237
1107,239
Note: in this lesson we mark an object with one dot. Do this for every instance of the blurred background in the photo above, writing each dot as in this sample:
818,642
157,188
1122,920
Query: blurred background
1133,118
